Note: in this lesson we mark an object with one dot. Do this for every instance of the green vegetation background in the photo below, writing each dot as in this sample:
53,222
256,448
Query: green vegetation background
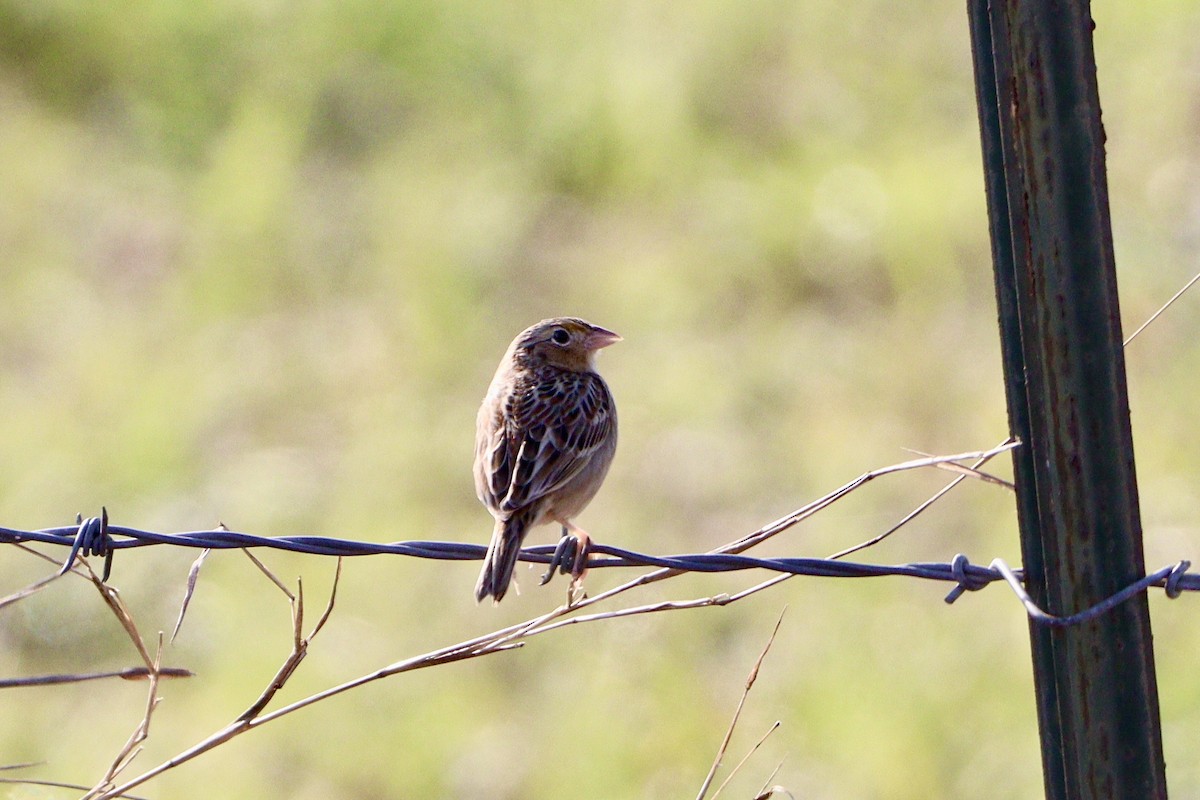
258,262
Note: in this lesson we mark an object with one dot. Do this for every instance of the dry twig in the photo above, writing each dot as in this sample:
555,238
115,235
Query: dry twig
133,746
31,589
774,727
767,789
1164,307
58,785
189,590
130,674
750,679
300,642
966,472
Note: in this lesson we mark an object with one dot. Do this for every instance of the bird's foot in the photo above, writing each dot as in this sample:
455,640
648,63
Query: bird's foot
570,557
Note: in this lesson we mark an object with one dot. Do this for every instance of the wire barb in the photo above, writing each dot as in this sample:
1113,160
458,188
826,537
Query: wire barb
1174,583
91,539
966,581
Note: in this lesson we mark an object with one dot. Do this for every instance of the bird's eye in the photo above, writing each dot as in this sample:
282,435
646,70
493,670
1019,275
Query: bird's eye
560,336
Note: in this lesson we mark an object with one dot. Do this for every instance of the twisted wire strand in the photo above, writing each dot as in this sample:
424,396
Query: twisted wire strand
94,536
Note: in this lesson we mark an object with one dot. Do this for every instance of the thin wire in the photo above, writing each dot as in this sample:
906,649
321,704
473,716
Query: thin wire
100,540
1156,314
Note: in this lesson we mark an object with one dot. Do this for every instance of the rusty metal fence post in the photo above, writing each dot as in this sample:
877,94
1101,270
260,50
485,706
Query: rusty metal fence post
1081,538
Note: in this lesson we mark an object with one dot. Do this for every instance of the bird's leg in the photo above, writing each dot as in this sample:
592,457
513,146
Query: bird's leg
580,551
575,591
570,556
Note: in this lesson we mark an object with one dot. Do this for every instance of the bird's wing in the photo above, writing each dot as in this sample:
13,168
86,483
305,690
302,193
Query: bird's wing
550,430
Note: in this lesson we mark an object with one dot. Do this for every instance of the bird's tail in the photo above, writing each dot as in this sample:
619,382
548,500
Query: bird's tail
501,558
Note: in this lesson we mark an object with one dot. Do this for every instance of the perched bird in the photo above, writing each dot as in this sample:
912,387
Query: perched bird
544,438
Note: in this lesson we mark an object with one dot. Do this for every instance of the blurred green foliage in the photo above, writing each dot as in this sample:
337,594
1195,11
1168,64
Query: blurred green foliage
259,261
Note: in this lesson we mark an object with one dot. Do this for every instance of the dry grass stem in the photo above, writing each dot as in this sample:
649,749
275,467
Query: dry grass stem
270,575
1004,446
59,785
337,579
41,583
112,598
783,523
31,589
986,477
972,471
133,746
300,644
249,718
722,599
767,789
193,576
130,674
746,758
750,679
1165,306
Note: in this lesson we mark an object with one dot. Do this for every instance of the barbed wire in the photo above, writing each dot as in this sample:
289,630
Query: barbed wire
95,537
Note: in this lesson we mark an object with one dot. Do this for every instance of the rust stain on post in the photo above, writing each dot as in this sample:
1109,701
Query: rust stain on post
1078,510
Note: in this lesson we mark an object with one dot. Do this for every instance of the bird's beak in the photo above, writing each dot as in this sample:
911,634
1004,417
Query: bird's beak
599,337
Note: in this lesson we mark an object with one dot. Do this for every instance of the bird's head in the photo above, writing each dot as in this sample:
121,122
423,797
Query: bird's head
565,342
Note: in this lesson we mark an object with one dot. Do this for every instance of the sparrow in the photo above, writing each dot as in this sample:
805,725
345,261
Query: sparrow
544,439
